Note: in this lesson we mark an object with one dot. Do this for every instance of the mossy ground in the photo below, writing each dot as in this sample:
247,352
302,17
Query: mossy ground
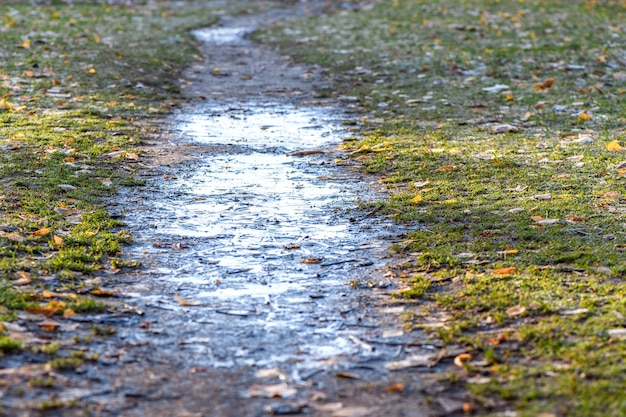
498,127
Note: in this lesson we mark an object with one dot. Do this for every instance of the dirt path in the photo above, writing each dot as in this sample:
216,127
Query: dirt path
253,256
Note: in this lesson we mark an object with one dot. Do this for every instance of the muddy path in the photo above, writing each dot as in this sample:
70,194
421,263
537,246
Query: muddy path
263,288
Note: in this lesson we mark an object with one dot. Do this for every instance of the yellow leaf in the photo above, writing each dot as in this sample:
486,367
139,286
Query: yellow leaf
614,146
508,252
504,271
187,303
311,260
68,312
92,70
26,44
101,293
42,232
96,38
584,116
58,240
417,199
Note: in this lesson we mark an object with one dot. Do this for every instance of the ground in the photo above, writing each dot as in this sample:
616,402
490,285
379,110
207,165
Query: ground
260,280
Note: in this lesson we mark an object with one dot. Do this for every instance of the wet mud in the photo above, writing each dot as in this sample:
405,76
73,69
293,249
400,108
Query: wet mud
264,289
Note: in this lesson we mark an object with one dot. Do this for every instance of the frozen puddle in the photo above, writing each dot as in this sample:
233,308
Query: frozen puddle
261,231
262,221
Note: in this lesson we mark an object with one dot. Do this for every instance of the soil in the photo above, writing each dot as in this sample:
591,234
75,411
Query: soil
264,289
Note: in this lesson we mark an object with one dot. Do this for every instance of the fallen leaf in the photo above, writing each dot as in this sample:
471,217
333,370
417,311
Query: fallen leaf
291,246
461,359
504,271
46,311
311,260
272,391
42,232
417,199
15,237
395,388
58,240
187,303
615,146
446,168
49,325
347,375
546,84
516,311
577,219
102,293
501,338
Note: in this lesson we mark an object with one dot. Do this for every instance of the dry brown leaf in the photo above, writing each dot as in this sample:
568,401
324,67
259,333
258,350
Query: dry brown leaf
577,219
446,168
311,260
501,338
58,240
272,391
546,84
46,311
516,311
461,359
15,237
187,303
42,232
102,293
346,375
395,388
49,325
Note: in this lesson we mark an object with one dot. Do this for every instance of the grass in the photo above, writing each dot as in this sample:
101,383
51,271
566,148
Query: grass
497,127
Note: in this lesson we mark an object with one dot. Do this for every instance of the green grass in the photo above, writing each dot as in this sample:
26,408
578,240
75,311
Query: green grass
518,234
